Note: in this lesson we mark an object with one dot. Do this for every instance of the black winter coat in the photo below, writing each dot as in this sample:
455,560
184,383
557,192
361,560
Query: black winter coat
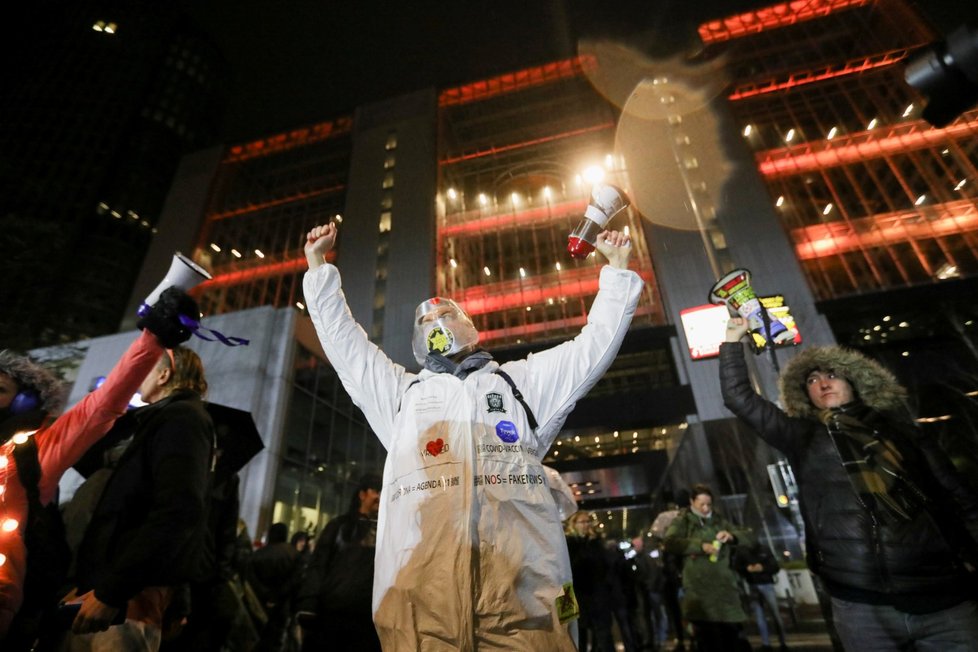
746,556
149,527
340,574
846,545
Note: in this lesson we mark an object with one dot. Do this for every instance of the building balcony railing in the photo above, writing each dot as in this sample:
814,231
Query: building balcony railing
831,71
288,140
485,221
272,203
528,331
776,16
502,149
252,272
533,290
516,81
862,146
834,238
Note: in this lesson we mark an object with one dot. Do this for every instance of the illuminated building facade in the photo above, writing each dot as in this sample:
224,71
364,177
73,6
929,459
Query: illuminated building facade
470,192
872,196
101,100
880,207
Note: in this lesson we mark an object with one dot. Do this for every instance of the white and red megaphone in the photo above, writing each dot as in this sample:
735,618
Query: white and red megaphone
184,274
735,291
606,202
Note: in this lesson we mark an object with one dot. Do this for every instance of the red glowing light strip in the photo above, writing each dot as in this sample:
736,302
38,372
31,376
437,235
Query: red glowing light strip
529,143
918,136
254,208
853,67
823,240
540,215
294,138
529,330
516,81
780,15
507,295
257,272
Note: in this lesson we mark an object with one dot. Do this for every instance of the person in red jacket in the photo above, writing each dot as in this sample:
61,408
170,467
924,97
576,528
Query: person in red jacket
30,396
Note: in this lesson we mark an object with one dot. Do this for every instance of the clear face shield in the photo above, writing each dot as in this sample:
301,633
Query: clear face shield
441,326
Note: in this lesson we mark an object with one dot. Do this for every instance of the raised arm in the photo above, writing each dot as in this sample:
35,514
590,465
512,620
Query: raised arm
773,425
554,380
369,376
67,439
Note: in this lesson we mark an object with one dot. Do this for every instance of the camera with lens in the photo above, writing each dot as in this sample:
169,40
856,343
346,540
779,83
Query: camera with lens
947,74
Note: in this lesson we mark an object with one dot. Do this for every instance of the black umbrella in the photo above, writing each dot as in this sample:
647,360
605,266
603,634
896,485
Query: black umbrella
238,441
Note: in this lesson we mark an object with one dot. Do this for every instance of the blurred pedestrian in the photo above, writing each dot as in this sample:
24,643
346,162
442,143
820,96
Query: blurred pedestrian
215,608
647,579
275,574
300,541
711,597
335,597
591,567
759,568
672,568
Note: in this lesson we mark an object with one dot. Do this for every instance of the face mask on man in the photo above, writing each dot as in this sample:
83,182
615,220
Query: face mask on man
441,326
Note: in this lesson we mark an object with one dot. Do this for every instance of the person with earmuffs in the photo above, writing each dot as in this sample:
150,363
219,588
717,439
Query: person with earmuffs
37,446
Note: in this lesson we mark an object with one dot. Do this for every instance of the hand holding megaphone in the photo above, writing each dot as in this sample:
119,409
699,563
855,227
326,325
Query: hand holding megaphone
606,202
163,318
736,329
184,274
734,290
171,314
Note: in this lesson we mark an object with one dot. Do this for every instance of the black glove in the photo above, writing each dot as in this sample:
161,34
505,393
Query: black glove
163,319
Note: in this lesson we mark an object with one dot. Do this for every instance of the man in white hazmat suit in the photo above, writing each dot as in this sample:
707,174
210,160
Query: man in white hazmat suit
470,551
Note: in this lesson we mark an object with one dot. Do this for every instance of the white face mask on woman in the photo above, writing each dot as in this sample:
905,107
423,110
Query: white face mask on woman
441,326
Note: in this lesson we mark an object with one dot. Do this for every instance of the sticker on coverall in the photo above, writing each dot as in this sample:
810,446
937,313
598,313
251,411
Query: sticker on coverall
566,603
494,402
506,430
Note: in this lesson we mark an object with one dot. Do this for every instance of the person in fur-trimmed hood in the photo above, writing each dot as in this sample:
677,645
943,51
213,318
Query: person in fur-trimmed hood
890,526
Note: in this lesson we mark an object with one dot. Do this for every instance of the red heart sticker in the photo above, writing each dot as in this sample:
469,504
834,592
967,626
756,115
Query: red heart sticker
435,447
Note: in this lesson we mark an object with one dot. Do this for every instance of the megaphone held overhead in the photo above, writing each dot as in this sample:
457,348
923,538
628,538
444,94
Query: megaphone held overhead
735,290
606,202
184,274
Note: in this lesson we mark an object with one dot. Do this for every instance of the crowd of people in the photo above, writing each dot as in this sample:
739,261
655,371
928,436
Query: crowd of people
688,586
460,544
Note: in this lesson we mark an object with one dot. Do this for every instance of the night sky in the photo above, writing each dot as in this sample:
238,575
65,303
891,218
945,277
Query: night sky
305,61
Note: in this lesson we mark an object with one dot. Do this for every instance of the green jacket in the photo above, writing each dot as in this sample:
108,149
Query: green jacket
711,590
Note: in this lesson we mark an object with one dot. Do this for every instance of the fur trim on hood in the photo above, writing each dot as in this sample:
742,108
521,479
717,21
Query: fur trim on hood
30,375
873,384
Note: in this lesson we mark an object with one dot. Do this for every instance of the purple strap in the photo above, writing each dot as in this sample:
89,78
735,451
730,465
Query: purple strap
196,328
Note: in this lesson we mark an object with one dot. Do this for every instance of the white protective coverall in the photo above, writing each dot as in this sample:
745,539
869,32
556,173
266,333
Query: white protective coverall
470,551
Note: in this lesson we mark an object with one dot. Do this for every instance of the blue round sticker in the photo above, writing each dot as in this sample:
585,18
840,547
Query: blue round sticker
506,430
